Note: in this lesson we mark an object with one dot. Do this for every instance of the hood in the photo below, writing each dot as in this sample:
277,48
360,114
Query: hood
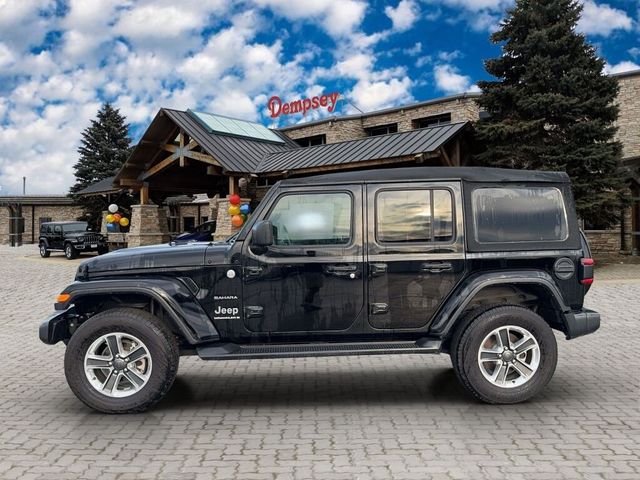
153,256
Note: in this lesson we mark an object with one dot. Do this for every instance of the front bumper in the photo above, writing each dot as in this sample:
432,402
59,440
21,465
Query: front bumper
56,327
581,322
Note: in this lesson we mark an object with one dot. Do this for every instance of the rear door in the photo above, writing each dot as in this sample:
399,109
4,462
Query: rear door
415,251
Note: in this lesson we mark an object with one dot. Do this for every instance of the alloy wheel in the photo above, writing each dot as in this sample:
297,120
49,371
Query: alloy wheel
509,356
117,365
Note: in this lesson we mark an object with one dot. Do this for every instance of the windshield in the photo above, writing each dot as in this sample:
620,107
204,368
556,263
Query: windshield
75,227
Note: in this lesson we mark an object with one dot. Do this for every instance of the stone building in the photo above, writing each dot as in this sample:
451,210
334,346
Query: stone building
34,209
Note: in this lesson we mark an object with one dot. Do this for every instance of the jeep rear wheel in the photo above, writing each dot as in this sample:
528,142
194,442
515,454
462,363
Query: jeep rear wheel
505,355
44,253
122,360
70,251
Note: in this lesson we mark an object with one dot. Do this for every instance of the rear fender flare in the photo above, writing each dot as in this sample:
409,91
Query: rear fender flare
448,316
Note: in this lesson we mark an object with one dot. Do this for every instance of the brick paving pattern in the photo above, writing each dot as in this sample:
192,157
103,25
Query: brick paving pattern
393,417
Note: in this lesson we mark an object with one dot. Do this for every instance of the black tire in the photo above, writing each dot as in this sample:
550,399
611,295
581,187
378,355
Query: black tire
159,340
465,354
70,251
44,252
103,250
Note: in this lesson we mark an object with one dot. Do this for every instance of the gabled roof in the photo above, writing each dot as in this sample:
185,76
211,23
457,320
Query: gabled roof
423,140
235,154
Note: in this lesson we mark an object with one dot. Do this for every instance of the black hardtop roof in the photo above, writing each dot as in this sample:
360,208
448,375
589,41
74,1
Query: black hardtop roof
64,222
404,174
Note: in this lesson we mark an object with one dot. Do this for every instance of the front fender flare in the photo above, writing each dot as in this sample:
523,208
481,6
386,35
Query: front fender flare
451,312
173,295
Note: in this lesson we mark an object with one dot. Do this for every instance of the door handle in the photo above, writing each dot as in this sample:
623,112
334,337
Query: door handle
377,269
350,271
436,267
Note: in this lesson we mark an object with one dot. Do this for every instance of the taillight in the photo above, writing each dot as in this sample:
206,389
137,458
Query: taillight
586,271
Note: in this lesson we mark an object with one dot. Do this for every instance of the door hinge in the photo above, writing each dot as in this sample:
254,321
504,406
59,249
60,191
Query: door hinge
378,308
253,311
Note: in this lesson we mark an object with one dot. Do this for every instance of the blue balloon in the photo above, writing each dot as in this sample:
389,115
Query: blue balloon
111,227
245,208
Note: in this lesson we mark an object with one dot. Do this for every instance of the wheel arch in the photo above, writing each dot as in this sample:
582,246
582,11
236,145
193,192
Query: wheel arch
534,290
168,299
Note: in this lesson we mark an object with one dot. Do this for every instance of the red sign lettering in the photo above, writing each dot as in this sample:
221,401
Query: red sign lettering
277,107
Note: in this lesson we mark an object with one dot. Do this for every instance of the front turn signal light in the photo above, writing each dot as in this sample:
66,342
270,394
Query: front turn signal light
63,297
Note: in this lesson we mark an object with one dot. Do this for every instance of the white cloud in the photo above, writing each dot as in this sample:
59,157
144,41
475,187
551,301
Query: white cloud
624,66
368,95
338,18
415,50
404,15
450,81
602,19
6,56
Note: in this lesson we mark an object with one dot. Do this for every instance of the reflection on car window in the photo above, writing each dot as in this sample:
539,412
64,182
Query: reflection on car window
312,219
508,215
75,227
414,216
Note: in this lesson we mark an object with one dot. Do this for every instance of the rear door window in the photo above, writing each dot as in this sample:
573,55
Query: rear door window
519,214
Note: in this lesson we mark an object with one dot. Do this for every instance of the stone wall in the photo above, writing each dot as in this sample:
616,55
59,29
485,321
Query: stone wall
339,130
148,226
629,117
56,213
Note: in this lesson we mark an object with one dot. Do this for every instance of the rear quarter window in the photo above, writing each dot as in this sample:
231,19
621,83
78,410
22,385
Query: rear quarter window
519,214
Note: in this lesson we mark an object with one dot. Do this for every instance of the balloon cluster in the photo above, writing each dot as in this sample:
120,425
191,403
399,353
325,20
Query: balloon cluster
114,219
238,212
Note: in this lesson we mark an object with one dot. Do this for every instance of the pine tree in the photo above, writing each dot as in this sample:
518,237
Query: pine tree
104,148
552,107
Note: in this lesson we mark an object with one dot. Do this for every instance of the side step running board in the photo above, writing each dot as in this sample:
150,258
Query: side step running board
229,351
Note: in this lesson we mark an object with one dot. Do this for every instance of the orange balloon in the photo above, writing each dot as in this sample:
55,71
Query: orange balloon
237,221
117,217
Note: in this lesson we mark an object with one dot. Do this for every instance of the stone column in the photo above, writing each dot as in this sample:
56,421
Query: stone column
224,229
4,225
148,226
103,222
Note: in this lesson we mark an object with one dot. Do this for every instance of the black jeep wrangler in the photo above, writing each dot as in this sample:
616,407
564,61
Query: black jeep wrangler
482,264
72,238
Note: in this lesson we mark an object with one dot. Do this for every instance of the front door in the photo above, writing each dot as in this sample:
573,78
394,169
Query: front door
311,279
415,251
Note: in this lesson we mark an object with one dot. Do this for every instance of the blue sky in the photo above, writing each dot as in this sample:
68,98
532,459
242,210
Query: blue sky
60,59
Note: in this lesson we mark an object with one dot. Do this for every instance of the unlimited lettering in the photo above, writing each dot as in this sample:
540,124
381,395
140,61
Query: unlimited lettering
277,107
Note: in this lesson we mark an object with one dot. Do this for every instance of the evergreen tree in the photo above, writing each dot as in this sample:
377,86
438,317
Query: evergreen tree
104,148
552,107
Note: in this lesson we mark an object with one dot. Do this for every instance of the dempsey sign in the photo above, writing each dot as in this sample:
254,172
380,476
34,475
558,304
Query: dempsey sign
277,107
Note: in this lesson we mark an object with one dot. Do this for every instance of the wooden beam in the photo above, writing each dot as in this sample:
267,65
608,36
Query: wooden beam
212,170
144,194
445,155
129,182
233,185
184,162
202,157
160,166
169,147
456,152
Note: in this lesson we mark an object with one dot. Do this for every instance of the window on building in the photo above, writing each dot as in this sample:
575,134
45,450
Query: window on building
312,140
414,216
590,224
506,215
382,129
432,121
189,223
312,219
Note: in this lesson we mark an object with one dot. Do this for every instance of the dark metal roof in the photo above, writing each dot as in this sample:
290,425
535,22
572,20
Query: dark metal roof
36,200
424,140
235,154
102,186
405,174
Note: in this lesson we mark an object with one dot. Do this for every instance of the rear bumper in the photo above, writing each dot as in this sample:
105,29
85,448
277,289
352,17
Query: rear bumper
581,322
55,328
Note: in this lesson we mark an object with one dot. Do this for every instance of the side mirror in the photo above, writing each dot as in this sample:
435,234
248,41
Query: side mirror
262,234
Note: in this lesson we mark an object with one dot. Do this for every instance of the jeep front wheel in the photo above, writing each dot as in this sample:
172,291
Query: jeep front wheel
70,251
506,355
122,360
44,253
